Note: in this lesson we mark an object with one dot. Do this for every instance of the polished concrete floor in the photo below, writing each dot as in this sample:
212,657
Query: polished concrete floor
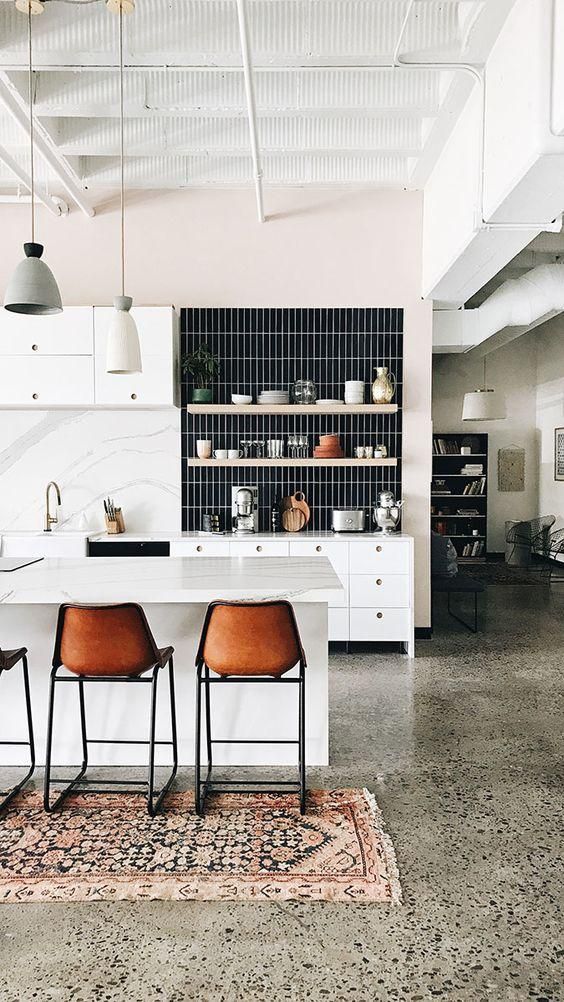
463,749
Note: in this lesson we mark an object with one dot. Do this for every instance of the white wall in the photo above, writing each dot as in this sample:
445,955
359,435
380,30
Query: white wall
201,248
512,371
550,414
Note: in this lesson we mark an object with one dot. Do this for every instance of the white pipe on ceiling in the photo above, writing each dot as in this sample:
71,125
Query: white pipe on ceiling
251,104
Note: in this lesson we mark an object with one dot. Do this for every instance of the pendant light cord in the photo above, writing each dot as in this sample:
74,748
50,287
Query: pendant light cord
121,148
31,158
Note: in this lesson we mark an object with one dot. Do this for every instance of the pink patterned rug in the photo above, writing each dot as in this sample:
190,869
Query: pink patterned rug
249,847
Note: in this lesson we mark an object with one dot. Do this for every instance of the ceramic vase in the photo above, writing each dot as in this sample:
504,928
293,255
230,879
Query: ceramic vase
384,386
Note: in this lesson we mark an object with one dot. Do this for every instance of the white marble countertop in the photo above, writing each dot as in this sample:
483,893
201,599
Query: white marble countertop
174,536
166,580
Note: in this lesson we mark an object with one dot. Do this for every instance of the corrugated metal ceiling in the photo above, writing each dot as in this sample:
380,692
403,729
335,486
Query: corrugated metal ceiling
331,110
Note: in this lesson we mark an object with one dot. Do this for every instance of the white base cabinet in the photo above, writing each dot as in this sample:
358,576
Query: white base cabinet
376,573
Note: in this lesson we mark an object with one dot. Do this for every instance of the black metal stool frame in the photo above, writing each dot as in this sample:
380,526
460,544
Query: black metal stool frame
30,743
109,785
204,786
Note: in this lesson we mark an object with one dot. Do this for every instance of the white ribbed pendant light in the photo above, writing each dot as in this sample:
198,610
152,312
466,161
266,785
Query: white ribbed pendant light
484,404
123,350
32,288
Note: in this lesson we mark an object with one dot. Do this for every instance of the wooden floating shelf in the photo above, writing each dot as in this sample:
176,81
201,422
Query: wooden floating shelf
287,461
237,409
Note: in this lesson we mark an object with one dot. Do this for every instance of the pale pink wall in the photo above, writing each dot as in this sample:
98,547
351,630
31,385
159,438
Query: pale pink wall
320,247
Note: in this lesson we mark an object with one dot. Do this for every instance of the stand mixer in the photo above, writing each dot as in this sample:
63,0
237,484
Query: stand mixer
387,513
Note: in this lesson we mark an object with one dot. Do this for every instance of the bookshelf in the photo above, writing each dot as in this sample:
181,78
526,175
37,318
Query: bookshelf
459,493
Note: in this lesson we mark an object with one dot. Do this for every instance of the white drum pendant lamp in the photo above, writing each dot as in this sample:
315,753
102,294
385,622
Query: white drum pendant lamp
123,350
32,288
484,404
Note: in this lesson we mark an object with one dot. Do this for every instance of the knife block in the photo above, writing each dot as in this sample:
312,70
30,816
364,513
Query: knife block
115,526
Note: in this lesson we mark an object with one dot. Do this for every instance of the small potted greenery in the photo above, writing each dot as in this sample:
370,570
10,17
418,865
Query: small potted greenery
203,366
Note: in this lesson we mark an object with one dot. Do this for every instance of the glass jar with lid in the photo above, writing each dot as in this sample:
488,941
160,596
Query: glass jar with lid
304,391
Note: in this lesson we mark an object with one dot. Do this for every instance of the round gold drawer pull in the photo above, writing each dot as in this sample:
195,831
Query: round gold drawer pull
318,549
379,615
199,549
378,581
378,549
259,549
134,396
35,396
34,347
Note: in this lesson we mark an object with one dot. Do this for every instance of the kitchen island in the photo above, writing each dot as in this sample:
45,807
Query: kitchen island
174,592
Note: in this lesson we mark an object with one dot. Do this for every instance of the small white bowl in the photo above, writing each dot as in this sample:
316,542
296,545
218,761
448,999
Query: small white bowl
241,398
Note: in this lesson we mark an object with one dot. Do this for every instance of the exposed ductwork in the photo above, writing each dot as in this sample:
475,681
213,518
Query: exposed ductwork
519,305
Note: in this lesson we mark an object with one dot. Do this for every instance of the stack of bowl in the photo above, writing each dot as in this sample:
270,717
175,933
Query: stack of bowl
354,391
329,448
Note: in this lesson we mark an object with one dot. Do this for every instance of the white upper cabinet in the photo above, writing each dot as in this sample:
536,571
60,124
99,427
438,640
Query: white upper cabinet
68,333
60,361
158,385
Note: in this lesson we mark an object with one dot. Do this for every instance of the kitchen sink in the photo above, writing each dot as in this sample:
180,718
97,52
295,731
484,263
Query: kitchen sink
58,543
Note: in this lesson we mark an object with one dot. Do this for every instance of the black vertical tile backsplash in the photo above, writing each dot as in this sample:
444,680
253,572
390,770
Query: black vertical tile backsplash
270,349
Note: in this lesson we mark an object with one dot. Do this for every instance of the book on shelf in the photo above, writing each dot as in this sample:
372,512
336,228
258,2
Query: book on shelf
473,469
475,549
468,512
445,447
475,487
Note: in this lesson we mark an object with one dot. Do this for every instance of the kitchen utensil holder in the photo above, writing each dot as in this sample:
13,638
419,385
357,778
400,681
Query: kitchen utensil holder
115,525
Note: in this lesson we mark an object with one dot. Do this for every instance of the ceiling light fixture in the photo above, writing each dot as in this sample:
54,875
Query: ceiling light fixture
32,288
483,404
123,350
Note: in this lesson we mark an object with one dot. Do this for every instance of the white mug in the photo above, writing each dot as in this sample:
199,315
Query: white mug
233,454
204,448
360,452
369,452
220,453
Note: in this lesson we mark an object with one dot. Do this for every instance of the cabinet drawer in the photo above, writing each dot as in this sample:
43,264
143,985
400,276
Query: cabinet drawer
200,548
388,590
68,333
259,548
46,381
379,554
337,553
152,387
338,624
380,624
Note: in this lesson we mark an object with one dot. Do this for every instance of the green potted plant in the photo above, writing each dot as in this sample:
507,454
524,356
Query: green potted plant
203,366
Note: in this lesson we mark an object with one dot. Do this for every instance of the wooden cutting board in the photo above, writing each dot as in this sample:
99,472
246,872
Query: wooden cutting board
297,502
293,519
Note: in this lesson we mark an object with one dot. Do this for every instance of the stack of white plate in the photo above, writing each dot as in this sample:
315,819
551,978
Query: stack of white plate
354,391
274,397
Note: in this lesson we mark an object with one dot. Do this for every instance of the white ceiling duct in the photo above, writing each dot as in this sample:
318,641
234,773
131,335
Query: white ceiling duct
519,305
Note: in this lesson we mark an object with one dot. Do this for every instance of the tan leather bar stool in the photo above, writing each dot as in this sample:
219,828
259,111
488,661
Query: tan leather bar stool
109,643
8,660
243,642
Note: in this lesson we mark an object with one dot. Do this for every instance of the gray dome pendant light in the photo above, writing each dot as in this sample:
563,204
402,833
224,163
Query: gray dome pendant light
123,353
32,288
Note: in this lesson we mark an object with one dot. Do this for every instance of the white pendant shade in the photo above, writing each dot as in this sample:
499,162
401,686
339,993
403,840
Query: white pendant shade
123,352
483,405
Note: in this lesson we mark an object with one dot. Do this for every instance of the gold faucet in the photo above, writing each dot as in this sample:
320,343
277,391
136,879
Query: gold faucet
49,518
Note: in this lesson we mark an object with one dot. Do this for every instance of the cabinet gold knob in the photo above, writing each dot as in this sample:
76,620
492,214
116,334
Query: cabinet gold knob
319,548
378,549
378,581
134,396
379,615
35,396
199,549
259,549
34,347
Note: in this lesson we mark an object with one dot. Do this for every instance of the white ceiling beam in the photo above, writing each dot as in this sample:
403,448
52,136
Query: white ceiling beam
23,177
251,104
16,106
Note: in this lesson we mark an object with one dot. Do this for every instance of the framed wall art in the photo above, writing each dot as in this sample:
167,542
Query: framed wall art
559,453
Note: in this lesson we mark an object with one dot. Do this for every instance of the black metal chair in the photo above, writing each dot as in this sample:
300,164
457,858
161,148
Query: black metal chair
248,642
8,660
109,644
532,534
554,564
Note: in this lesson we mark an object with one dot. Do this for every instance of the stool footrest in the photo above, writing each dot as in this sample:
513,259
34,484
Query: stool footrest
251,741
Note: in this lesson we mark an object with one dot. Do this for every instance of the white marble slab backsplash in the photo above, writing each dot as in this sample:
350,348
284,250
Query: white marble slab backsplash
133,456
